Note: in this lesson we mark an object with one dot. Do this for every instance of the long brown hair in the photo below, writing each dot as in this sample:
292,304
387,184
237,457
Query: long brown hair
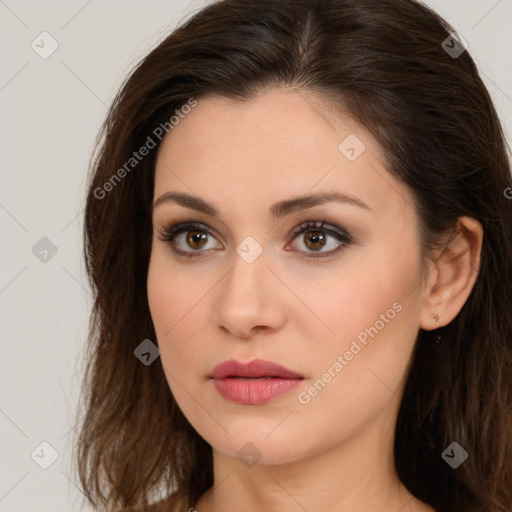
384,62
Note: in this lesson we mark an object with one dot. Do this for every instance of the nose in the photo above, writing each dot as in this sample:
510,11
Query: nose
248,302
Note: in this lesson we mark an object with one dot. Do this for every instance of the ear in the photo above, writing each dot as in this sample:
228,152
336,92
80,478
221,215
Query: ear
453,276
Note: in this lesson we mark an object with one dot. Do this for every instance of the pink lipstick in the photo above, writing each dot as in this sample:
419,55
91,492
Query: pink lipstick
253,383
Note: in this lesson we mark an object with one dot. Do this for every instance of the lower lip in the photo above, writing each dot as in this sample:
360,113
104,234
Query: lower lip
254,391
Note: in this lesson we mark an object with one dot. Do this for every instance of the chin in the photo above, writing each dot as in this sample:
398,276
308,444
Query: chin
263,452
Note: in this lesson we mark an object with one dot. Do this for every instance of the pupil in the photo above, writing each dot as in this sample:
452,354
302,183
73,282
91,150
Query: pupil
197,238
318,237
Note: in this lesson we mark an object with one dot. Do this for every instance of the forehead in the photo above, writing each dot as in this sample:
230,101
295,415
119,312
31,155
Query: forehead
277,145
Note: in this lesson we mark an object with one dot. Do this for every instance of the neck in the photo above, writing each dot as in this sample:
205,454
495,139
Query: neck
358,474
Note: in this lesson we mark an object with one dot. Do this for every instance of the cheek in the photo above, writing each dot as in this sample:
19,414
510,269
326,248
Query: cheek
370,319
367,296
176,302
161,298
359,372
172,294
167,308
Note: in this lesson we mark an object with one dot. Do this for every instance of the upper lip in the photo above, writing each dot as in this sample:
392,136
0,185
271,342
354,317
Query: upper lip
255,368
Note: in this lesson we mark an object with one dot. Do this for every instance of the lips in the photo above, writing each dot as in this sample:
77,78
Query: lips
255,369
253,383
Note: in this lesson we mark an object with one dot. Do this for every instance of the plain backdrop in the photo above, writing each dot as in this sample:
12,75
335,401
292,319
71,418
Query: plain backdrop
51,111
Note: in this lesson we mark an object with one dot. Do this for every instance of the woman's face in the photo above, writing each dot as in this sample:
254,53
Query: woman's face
248,285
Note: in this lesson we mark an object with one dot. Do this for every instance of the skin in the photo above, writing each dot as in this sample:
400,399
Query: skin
335,452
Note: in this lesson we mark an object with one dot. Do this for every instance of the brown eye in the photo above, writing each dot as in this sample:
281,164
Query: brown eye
316,237
314,240
190,239
187,239
196,239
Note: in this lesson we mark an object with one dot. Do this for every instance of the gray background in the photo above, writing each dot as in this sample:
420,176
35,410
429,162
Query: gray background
51,112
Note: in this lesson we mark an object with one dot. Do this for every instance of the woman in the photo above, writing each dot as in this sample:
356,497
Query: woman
299,235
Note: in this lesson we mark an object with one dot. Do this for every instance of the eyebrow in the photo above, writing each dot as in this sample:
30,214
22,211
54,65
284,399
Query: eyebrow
277,210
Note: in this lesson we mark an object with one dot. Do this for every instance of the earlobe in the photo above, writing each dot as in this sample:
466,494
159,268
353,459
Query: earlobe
455,273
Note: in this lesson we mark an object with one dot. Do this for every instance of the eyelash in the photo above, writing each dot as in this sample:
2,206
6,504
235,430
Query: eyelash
173,229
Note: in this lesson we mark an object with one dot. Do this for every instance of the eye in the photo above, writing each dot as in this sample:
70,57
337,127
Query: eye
316,238
195,235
